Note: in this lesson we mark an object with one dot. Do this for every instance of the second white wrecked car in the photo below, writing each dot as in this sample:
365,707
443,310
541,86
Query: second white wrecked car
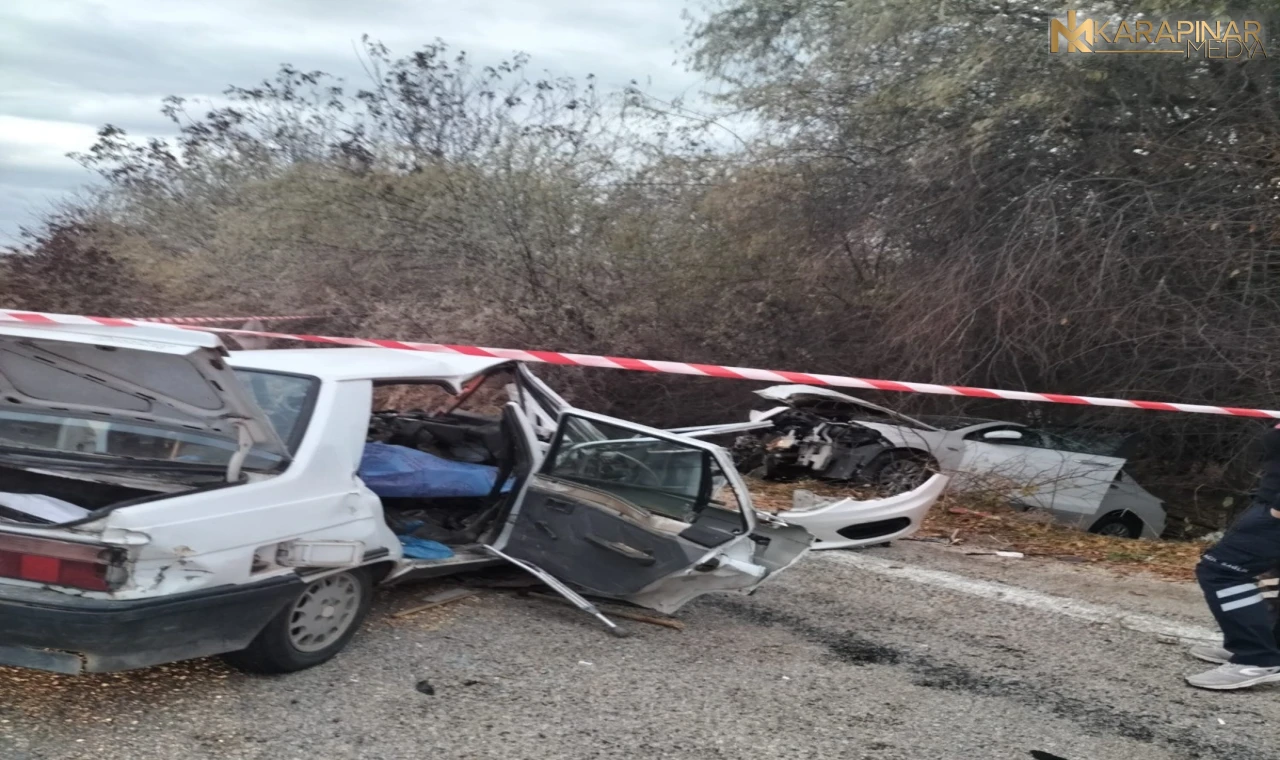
822,432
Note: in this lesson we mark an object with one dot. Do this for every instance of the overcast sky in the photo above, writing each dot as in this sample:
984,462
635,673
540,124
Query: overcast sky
69,66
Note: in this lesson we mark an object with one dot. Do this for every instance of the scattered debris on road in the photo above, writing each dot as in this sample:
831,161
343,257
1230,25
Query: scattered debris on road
437,600
640,617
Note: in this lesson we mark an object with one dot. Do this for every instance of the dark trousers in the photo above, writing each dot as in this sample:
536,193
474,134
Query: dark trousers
1228,575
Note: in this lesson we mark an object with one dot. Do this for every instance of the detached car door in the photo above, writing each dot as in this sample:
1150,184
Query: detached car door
625,511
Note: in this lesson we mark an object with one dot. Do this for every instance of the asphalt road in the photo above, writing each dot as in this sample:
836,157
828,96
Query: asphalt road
832,660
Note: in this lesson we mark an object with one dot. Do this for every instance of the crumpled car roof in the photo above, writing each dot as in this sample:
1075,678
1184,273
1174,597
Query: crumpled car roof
366,363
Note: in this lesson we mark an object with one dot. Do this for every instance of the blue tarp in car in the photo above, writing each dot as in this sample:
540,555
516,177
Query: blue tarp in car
399,472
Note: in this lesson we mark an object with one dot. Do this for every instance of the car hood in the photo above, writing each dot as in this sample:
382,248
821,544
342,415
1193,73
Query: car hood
791,394
159,376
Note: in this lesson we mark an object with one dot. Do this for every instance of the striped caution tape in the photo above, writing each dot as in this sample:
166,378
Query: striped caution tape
667,367
217,320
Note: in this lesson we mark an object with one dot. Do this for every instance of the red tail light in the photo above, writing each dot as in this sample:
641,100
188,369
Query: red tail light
60,563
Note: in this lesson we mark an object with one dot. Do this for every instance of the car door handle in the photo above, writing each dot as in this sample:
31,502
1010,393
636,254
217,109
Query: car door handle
617,547
542,526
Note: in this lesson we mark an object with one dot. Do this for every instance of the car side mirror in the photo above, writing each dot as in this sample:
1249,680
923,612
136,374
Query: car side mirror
1002,435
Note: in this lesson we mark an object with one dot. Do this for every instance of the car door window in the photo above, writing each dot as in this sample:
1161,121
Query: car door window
1064,443
660,476
287,401
1032,438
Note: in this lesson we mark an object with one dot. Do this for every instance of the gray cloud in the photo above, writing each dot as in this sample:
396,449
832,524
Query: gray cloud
72,65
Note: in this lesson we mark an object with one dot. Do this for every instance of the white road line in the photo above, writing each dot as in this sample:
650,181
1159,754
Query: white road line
1021,597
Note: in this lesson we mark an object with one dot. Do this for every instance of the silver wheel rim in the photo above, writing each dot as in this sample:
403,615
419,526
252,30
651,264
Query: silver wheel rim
324,612
902,475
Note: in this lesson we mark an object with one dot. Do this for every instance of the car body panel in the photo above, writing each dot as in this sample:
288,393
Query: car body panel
1127,497
794,394
201,539
382,364
892,517
946,447
705,431
45,630
1066,482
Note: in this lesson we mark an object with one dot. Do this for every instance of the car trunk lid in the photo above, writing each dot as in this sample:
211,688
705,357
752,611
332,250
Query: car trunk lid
162,376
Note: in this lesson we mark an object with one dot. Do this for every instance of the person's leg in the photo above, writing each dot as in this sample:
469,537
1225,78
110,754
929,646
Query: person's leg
1228,576
1248,630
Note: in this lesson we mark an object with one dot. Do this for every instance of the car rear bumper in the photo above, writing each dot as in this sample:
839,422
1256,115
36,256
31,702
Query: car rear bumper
849,523
50,630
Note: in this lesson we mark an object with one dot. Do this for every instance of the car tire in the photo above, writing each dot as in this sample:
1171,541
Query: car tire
312,628
899,471
1119,525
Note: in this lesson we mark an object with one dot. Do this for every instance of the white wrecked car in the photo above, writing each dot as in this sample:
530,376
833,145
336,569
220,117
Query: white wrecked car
845,437
164,499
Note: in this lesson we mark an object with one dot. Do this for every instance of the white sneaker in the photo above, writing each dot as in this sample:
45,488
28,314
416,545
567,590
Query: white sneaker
1216,655
1231,676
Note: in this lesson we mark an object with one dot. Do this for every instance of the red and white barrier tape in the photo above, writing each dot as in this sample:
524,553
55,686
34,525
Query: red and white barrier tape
215,320
677,368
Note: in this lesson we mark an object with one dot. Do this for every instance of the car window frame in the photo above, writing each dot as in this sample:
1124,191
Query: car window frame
305,412
700,502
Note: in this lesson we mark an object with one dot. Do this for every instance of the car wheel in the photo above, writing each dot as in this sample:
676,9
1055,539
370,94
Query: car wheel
1119,525
312,628
897,472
